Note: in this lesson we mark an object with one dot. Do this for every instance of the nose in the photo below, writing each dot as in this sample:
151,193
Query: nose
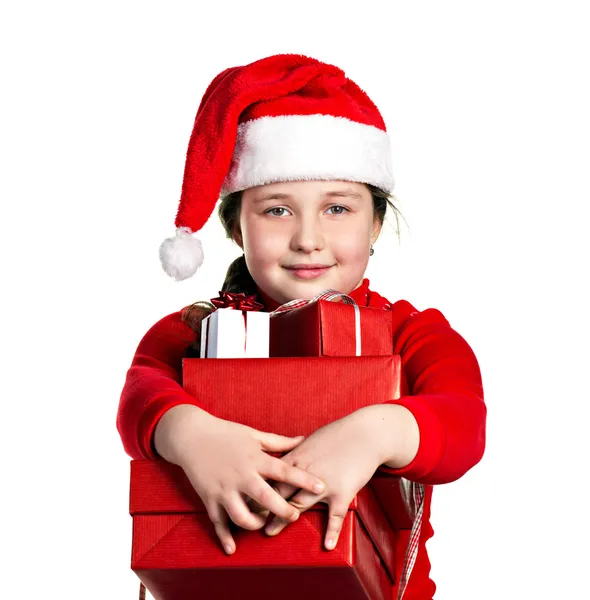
308,235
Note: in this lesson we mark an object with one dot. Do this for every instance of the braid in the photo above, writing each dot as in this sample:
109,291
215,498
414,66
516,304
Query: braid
238,278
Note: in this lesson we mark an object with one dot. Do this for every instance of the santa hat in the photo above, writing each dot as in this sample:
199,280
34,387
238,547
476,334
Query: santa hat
286,117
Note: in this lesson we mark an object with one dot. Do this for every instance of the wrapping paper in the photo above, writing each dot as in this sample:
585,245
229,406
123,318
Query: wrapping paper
229,333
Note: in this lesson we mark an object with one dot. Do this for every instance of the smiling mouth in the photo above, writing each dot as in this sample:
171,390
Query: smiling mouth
308,272
308,267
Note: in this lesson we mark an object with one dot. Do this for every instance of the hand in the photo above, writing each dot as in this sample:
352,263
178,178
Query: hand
345,454
225,461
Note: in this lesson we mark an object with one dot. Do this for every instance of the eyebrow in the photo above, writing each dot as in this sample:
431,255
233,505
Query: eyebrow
340,194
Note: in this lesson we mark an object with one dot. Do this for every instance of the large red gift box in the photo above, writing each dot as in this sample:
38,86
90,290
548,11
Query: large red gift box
176,552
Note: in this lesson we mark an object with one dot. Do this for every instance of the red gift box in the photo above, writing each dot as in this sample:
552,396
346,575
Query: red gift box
175,549
177,555
326,328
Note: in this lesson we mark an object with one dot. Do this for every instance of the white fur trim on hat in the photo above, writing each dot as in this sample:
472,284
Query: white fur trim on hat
306,147
181,255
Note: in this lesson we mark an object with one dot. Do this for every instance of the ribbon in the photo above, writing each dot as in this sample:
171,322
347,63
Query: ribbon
329,295
236,301
413,494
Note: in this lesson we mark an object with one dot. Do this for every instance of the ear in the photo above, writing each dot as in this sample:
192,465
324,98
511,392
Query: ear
237,237
376,230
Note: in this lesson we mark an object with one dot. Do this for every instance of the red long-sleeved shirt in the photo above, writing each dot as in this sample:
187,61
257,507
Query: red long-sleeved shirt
445,396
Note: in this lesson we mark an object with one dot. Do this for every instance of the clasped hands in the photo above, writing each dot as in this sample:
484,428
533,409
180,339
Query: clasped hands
345,455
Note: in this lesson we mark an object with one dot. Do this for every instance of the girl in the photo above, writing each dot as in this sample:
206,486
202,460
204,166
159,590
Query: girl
302,159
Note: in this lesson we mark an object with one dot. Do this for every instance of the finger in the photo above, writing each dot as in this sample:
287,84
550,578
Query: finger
302,500
281,471
268,498
255,507
285,490
240,514
338,509
220,521
273,442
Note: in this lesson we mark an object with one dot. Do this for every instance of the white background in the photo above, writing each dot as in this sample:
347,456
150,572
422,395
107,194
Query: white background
487,107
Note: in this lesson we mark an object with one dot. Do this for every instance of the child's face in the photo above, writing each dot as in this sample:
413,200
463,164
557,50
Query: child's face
313,222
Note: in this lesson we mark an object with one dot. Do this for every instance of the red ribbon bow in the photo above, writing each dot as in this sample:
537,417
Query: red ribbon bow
237,301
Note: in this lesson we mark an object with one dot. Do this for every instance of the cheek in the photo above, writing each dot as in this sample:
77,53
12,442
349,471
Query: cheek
261,242
353,245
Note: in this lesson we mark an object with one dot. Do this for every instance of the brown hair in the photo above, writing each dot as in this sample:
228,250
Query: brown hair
238,278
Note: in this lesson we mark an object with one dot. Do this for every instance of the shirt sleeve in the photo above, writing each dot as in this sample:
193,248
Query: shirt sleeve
445,396
153,384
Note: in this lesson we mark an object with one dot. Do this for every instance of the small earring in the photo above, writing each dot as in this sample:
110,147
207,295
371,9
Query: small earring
371,251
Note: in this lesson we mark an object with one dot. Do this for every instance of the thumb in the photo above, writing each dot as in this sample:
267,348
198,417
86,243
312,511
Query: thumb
273,442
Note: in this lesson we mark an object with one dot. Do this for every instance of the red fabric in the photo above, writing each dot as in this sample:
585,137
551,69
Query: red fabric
444,381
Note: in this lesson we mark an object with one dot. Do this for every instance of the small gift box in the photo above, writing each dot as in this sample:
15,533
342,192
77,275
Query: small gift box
325,327
235,329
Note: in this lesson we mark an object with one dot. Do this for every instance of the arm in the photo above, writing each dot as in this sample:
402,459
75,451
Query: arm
442,424
153,386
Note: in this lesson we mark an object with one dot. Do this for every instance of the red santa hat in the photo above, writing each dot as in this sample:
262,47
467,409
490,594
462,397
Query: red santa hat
286,117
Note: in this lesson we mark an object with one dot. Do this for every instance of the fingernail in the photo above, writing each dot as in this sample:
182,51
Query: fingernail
276,526
228,548
330,544
295,516
318,488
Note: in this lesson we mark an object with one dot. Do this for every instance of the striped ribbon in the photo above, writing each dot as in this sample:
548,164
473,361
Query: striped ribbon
414,499
325,295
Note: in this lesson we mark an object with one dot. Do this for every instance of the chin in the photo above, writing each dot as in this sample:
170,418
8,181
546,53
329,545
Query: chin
292,287
309,288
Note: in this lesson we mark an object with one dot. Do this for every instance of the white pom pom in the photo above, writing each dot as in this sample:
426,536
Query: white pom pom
181,255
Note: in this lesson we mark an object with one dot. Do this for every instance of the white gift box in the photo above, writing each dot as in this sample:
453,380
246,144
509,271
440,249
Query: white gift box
231,333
